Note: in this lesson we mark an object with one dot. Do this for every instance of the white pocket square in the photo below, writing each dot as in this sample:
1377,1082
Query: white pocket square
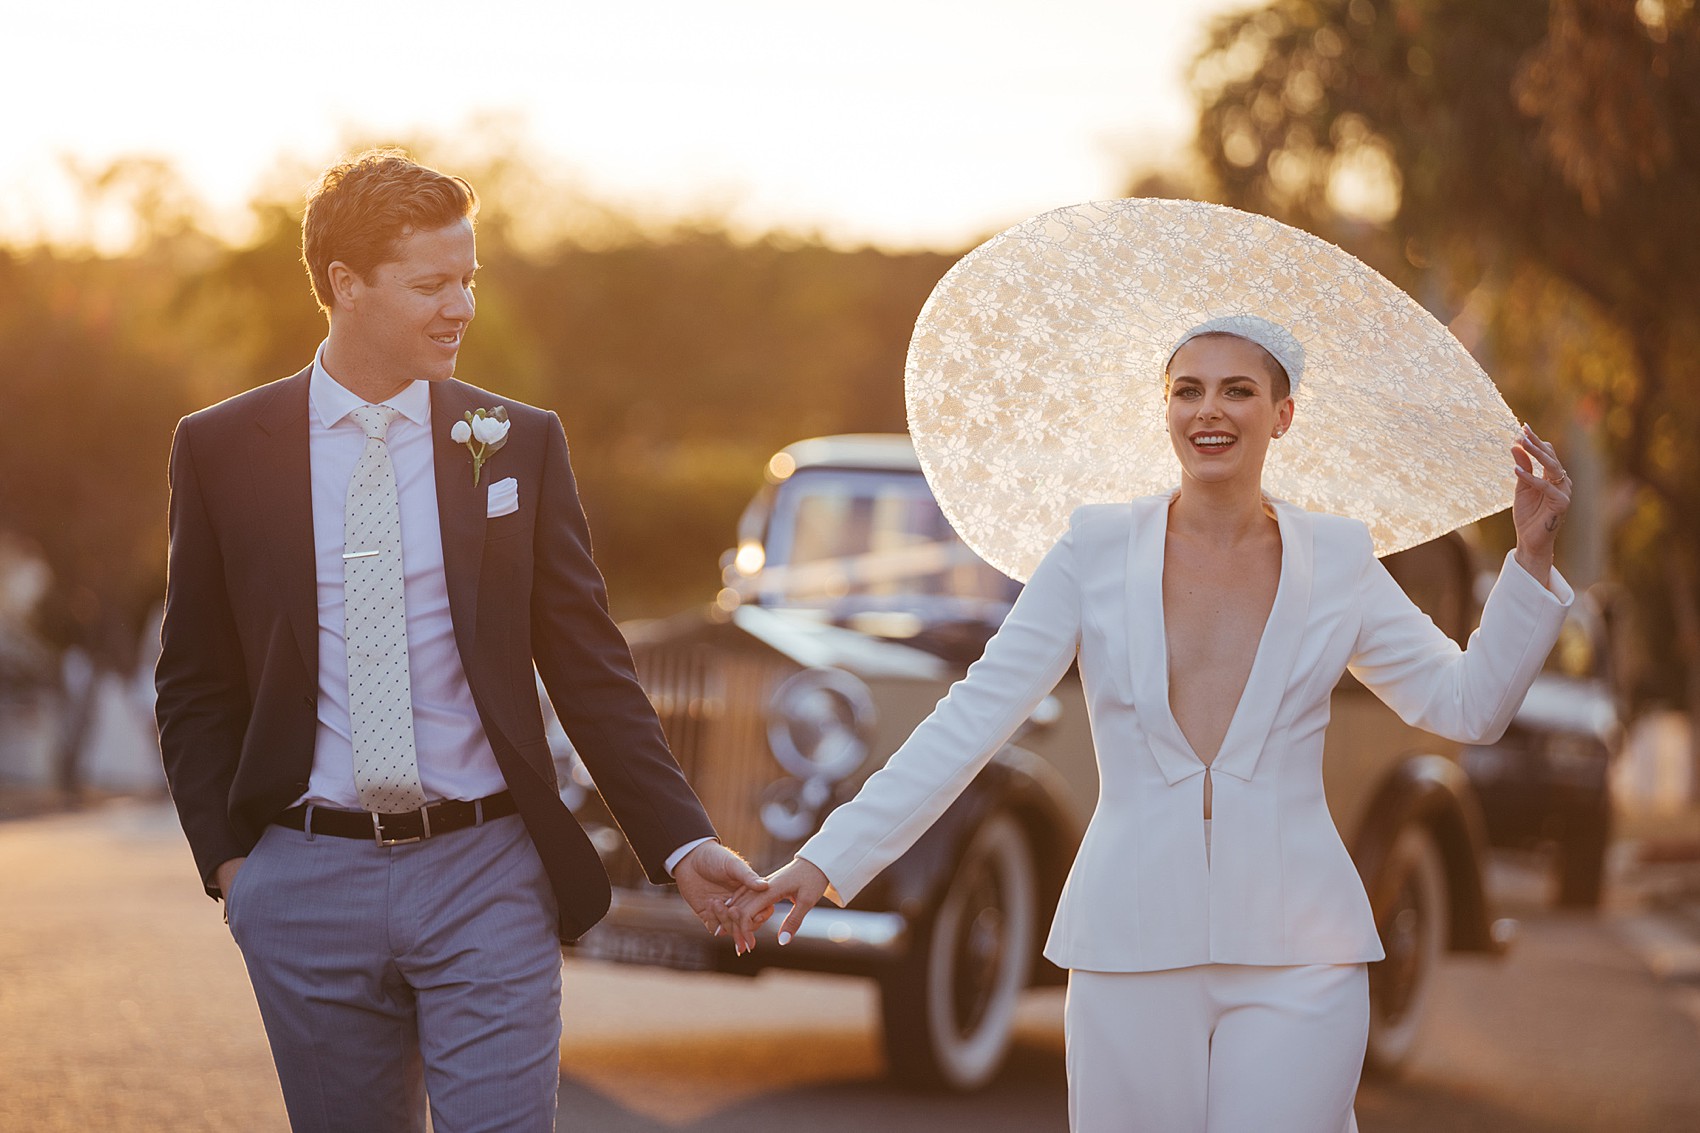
503,498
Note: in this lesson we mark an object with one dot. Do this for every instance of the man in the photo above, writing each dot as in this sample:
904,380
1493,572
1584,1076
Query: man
358,592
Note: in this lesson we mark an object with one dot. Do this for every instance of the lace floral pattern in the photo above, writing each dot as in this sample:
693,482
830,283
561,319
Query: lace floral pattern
1034,378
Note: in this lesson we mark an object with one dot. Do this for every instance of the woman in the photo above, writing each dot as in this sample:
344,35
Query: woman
1214,927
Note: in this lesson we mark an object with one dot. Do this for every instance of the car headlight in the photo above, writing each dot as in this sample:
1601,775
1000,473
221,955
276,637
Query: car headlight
790,808
819,723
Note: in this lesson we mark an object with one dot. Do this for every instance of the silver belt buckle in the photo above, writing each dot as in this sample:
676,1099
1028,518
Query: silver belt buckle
424,826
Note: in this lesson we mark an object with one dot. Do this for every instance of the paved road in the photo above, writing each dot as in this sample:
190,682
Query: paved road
124,1007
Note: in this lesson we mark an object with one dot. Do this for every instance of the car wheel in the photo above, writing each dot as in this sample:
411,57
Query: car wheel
1412,923
1582,860
949,1006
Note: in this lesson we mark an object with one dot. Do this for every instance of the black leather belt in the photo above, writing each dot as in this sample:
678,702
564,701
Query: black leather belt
400,829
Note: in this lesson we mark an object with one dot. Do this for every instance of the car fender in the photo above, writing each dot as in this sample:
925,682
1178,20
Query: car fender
1435,792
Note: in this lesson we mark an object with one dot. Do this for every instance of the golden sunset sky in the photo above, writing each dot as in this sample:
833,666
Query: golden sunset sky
898,122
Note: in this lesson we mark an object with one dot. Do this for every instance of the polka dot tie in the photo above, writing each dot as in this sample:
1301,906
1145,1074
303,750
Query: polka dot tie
380,694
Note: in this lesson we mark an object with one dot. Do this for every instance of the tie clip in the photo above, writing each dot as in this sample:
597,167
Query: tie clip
360,554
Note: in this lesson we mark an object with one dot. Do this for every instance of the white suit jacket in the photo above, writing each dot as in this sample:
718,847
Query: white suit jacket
1279,886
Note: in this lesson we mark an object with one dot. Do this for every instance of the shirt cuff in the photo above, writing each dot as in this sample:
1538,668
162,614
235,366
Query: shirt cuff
677,856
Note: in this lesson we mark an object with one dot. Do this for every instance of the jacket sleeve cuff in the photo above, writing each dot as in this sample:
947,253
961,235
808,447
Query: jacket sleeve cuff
1513,574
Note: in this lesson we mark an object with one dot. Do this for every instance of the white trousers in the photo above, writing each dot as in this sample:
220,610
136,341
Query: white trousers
1218,1048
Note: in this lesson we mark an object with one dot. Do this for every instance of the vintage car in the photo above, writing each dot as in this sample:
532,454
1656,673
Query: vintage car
1545,786
849,607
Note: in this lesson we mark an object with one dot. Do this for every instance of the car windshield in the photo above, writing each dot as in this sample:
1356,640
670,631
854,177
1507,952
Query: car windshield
849,542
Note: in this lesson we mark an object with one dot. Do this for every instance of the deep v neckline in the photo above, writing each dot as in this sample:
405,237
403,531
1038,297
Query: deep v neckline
1259,658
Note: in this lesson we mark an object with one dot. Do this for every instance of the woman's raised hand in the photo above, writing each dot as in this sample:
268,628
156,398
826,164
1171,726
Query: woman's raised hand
801,883
1538,508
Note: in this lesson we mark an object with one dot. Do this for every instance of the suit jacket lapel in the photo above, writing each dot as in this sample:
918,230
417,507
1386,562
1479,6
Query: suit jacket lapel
460,512
281,486
1148,644
1272,668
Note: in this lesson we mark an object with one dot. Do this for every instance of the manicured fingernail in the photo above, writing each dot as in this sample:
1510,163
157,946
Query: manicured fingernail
785,938
718,929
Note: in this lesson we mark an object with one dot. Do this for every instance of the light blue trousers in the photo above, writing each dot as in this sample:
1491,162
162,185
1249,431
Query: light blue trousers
386,975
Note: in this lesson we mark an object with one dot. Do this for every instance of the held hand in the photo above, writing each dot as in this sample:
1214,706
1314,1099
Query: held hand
711,879
1539,506
802,883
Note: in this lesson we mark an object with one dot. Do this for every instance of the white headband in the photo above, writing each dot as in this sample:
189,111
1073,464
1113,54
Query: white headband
1273,337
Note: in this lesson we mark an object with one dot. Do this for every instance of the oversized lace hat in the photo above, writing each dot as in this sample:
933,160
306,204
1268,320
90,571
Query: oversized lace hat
1034,378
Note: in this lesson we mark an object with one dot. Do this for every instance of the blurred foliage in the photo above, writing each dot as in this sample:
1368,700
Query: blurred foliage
1529,169
92,386
678,359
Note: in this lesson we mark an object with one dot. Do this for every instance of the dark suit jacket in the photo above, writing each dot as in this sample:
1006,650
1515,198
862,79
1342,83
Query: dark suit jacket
238,668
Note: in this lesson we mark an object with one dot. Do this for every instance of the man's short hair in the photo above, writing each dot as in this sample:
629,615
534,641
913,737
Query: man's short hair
361,207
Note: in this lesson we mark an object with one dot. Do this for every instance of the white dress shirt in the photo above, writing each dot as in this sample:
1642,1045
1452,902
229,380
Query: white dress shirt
455,760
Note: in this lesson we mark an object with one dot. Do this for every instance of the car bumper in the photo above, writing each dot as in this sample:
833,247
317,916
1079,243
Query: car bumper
659,928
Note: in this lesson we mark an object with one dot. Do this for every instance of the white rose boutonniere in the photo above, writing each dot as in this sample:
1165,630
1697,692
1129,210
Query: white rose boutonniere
482,431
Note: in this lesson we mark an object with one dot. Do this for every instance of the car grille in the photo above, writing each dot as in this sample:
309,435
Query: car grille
713,706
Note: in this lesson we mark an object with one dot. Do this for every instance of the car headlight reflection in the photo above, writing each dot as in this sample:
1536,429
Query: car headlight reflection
819,723
791,807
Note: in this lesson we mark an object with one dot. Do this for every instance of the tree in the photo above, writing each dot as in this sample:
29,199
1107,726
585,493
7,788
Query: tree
1523,160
